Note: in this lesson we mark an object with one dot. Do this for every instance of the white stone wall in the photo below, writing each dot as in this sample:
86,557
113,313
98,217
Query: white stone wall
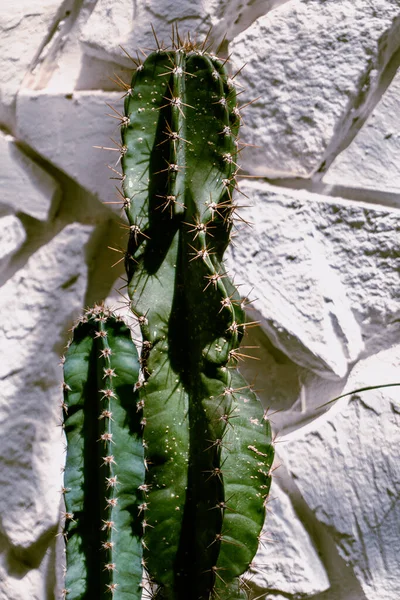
321,262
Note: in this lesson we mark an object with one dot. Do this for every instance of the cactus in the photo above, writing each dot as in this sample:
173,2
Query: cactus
206,441
105,460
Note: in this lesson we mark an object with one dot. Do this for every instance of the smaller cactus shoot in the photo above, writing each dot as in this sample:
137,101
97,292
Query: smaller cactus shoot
104,470
206,444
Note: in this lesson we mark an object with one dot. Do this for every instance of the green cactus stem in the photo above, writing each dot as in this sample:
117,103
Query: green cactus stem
105,469
207,445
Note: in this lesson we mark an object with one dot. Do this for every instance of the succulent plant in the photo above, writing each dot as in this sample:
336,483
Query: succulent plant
105,466
201,449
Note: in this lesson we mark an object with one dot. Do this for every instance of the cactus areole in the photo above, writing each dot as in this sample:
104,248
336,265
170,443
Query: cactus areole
190,501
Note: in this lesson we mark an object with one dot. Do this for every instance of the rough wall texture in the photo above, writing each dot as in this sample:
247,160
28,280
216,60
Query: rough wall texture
321,259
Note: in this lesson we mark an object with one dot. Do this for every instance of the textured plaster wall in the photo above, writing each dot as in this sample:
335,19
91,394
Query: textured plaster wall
321,262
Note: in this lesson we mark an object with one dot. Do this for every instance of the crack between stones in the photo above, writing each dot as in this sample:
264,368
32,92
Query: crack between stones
45,59
358,111
76,205
61,12
361,107
352,195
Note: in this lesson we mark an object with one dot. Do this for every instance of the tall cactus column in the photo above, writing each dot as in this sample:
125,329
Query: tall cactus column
207,446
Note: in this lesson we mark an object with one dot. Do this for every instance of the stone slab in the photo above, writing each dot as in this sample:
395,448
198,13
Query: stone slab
287,562
347,467
372,159
314,68
36,306
115,23
79,122
12,235
24,27
25,186
324,273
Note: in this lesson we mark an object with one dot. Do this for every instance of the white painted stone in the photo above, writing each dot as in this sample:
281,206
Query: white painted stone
63,66
78,122
22,583
372,159
286,561
347,467
25,187
314,68
12,235
24,496
37,304
109,24
114,23
271,596
324,273
24,26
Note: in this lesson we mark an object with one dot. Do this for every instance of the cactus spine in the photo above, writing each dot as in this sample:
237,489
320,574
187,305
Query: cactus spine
207,444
